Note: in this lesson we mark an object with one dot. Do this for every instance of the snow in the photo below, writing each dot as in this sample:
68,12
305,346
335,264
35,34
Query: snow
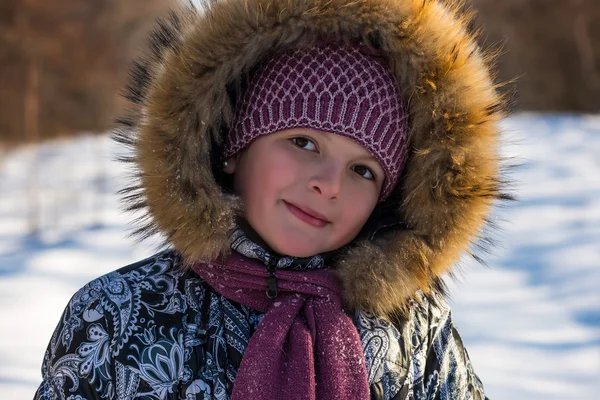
530,320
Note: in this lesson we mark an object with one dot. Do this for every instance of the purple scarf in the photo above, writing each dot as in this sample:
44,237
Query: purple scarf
305,348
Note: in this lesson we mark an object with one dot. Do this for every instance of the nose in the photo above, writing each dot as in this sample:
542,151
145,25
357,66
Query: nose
327,180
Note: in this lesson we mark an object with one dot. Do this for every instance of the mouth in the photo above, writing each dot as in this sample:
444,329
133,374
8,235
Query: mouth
307,215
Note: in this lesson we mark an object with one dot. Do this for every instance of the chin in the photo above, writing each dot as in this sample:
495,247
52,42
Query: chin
296,248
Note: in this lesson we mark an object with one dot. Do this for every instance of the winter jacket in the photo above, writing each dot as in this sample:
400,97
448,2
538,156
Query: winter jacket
156,330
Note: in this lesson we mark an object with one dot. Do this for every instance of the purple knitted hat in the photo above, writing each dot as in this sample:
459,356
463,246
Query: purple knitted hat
334,88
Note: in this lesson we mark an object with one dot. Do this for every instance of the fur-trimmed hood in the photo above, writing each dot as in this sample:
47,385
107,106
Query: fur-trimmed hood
183,99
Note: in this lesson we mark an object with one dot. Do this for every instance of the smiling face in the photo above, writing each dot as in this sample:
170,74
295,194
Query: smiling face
305,191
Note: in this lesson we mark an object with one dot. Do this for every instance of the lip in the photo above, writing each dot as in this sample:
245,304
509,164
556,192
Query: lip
308,215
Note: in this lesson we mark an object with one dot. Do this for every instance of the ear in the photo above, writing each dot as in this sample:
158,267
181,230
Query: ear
230,164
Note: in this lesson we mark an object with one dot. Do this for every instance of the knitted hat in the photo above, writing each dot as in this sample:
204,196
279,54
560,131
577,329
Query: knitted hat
330,87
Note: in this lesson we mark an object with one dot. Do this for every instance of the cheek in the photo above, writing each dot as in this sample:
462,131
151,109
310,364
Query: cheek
357,210
262,179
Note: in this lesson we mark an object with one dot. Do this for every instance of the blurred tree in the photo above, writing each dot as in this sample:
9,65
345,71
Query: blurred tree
553,46
77,53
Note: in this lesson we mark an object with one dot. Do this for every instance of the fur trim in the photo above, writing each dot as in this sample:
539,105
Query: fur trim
184,94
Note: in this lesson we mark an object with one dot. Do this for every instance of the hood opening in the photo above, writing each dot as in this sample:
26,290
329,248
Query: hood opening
183,96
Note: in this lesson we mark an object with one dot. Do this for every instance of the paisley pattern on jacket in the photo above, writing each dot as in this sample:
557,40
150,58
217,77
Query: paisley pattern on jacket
155,330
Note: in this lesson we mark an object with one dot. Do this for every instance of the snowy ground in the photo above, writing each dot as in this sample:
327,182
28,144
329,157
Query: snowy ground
531,320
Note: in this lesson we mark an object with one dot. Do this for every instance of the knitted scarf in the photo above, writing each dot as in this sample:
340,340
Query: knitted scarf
305,347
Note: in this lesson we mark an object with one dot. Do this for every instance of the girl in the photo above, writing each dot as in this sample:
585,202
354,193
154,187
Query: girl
315,167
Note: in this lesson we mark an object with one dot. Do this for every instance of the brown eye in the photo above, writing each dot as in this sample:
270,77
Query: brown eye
304,143
365,172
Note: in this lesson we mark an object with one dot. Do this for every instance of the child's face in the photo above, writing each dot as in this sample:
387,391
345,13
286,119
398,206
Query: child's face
283,176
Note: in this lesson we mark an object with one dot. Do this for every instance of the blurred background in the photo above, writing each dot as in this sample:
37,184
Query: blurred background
530,319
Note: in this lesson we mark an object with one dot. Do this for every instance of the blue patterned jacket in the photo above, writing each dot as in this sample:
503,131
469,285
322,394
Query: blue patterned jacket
154,330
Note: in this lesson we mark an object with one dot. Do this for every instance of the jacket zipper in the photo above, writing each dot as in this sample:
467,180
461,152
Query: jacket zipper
272,290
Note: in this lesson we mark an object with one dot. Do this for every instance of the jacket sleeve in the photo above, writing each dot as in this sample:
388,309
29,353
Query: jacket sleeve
77,364
448,373
431,362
